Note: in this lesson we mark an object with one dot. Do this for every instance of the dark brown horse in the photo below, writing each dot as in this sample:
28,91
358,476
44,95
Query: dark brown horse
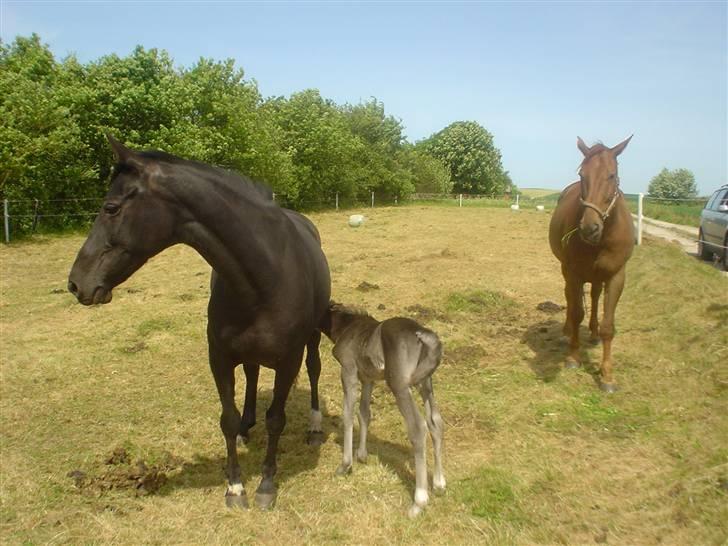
270,283
592,235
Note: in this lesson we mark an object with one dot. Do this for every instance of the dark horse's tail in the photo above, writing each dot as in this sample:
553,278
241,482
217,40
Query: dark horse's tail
430,355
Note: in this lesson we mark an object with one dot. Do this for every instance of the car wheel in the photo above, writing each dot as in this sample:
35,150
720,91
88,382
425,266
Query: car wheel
704,253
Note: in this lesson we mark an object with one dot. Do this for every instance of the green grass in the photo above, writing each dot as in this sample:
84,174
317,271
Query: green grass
534,453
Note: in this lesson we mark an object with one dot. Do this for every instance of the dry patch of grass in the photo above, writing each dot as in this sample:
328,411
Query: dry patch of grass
534,454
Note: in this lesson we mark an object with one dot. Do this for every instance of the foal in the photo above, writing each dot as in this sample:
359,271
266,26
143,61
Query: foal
405,355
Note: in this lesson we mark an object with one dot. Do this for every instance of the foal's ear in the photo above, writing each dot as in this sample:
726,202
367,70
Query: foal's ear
619,148
582,146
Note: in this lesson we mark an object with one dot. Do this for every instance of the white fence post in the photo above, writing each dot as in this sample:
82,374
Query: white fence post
640,196
461,199
7,220
372,199
274,196
337,200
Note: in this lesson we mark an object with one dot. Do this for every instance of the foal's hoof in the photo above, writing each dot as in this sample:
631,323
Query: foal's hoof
236,501
414,511
608,387
315,438
265,501
343,470
571,364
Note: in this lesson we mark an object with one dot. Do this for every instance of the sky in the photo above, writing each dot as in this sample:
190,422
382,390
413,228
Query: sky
535,74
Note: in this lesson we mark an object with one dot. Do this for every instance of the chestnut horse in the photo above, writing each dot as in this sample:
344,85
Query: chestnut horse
592,235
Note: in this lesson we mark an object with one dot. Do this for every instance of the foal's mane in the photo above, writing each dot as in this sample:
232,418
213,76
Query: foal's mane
348,309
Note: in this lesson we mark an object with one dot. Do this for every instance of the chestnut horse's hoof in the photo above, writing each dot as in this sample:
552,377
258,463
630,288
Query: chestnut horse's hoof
236,501
608,387
571,364
315,438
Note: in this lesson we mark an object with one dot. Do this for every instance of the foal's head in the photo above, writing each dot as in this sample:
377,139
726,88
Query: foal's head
338,317
136,222
599,187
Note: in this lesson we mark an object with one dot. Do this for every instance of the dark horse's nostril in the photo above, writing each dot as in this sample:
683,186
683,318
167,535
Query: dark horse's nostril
72,288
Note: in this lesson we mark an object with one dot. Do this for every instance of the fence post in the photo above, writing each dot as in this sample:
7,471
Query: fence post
274,196
461,199
35,216
395,199
640,196
7,220
337,200
372,199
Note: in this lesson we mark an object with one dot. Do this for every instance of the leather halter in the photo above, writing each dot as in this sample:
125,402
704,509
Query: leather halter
604,215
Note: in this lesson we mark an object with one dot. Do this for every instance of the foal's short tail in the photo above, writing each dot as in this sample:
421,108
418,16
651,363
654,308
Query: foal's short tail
430,355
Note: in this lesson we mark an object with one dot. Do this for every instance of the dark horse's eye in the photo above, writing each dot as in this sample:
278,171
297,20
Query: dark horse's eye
112,208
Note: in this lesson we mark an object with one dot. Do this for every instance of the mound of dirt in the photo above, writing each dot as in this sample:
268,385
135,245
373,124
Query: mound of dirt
426,314
119,473
365,286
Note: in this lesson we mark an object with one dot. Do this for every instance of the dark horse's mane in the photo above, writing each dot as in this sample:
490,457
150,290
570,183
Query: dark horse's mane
263,190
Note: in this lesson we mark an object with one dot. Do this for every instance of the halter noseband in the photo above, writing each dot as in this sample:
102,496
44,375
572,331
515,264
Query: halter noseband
604,215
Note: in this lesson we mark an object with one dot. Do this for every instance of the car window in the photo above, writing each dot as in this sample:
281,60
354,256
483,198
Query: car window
711,201
723,200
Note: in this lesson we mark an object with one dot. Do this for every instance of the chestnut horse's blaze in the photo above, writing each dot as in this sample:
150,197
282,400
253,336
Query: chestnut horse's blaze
592,235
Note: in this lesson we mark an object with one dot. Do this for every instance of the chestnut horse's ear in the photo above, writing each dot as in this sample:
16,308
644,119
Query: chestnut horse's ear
619,148
582,146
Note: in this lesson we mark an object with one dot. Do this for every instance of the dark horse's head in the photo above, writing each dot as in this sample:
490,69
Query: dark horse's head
599,187
136,222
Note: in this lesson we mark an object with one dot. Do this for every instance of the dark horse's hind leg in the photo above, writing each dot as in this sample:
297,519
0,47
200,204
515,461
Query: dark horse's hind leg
275,422
313,367
223,370
251,395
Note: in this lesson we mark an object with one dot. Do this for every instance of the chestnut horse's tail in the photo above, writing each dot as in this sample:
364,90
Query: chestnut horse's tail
430,355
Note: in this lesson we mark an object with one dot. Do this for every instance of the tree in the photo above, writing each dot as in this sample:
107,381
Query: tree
474,162
677,184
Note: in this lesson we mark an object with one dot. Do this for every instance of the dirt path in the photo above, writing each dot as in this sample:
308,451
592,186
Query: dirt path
685,236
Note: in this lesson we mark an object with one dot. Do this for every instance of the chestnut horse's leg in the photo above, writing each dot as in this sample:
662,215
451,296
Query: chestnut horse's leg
574,315
315,435
275,422
223,370
251,394
596,291
613,291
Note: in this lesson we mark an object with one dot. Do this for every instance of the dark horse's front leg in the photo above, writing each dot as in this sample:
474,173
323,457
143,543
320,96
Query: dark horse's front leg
275,421
315,435
223,370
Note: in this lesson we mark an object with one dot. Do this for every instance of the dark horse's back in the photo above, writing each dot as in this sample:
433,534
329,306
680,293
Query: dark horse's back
590,262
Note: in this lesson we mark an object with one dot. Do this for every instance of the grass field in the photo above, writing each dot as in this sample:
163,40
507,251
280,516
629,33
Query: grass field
534,454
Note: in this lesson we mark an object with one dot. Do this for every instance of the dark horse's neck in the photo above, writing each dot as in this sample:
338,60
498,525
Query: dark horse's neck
233,224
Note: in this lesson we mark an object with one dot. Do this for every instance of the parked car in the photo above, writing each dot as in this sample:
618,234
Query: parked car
713,233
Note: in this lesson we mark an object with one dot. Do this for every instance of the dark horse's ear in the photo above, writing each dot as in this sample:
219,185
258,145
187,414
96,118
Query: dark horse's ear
124,155
619,148
582,146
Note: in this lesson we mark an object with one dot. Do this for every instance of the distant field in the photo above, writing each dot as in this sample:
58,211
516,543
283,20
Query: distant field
536,193
534,454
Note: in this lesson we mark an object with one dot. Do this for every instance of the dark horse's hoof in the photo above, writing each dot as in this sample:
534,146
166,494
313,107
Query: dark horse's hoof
315,438
571,364
243,440
265,501
236,501
608,387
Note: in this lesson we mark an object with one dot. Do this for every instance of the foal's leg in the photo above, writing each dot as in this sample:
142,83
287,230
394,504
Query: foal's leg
416,432
349,383
435,424
315,435
223,370
596,291
574,315
275,422
251,395
612,293
364,418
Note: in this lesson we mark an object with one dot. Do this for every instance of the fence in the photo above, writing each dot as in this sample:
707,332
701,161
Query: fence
26,216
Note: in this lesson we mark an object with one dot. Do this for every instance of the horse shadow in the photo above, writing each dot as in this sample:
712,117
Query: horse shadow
295,456
550,348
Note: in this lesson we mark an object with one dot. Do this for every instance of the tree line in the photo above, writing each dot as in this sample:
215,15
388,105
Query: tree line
307,148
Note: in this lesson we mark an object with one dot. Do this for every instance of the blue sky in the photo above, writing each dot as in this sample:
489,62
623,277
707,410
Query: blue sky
535,75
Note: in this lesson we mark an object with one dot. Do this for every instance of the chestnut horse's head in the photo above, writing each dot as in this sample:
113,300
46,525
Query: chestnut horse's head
599,187
135,223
